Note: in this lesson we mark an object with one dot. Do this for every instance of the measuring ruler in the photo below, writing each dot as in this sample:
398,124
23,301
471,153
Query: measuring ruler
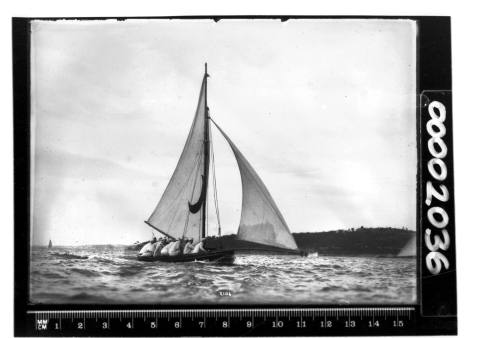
230,321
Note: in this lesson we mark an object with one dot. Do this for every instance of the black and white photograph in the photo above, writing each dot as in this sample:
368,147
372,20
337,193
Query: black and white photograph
210,169
235,162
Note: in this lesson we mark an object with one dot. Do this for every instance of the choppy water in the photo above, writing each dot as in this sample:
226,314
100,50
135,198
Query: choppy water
107,274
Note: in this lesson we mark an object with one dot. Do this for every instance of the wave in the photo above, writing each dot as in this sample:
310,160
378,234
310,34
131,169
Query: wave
360,288
68,255
130,270
84,297
47,274
85,272
333,288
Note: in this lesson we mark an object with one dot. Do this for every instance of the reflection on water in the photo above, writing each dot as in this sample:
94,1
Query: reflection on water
107,274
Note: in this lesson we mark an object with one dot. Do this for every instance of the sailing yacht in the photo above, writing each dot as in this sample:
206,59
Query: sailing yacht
181,212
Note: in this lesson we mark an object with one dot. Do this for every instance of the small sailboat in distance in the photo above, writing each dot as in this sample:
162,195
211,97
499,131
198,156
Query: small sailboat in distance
181,212
50,244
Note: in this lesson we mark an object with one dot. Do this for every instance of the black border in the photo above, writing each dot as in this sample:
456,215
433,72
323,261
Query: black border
437,293
433,73
22,161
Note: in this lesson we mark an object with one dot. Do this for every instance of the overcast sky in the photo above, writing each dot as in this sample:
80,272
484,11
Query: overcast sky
324,110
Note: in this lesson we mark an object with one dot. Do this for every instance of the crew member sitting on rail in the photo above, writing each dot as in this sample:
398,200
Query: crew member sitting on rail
199,247
153,246
159,246
171,249
174,249
188,247
166,247
148,249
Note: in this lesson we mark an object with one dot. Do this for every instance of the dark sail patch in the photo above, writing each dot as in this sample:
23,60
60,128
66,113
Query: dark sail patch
194,208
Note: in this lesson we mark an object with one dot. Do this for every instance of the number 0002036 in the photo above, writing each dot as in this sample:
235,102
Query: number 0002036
437,239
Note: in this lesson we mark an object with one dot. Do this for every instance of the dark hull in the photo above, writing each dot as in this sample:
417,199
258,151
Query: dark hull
218,256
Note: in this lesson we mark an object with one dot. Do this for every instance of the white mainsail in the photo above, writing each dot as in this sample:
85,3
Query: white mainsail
261,221
180,211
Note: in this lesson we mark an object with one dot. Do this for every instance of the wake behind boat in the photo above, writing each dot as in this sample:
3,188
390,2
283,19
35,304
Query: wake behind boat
217,256
181,213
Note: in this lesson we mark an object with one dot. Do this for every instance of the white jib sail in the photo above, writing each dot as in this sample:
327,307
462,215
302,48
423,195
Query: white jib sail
185,189
261,221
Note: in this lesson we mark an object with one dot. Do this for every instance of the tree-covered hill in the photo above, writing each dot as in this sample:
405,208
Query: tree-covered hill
360,241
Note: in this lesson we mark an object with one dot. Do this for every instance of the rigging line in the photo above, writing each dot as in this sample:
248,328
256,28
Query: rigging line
214,181
159,230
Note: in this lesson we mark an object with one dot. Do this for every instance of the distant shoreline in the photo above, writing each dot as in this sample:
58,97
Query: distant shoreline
381,242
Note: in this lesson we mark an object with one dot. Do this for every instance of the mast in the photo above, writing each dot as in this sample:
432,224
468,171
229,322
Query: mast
206,161
182,209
